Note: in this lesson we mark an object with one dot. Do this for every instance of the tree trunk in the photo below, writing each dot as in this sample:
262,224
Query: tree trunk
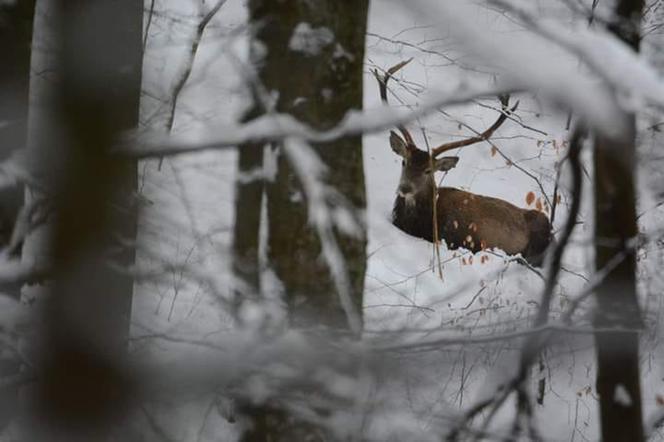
16,21
82,388
246,229
618,378
313,61
318,85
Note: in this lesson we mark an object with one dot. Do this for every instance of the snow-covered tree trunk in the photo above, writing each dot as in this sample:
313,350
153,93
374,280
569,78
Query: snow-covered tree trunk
82,387
16,19
618,378
312,65
313,60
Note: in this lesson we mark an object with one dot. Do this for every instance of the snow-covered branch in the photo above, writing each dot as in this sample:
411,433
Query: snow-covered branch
277,127
548,63
609,57
327,213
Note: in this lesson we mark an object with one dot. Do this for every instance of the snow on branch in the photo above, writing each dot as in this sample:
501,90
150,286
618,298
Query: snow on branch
327,210
277,127
547,62
608,56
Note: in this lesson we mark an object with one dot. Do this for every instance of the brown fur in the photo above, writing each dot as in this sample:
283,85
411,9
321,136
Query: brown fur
475,222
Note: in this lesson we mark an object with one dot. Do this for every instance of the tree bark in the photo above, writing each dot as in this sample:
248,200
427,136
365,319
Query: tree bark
249,189
83,389
312,63
618,377
16,21
317,88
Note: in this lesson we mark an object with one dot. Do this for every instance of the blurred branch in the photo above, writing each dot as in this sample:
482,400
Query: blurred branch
17,271
323,201
17,380
608,57
277,127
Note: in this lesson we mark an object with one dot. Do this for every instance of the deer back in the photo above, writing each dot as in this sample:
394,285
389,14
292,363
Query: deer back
479,222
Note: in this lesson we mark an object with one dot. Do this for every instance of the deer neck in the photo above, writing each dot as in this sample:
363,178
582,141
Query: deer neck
413,214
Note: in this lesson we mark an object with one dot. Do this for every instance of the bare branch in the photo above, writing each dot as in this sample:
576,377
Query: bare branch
481,137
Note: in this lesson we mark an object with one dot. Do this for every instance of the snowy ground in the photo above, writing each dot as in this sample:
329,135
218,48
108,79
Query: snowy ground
189,204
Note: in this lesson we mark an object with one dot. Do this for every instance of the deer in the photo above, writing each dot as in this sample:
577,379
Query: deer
462,219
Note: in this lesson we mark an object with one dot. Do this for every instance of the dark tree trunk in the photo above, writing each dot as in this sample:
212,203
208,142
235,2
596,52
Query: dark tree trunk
16,21
317,77
246,229
318,88
82,388
618,378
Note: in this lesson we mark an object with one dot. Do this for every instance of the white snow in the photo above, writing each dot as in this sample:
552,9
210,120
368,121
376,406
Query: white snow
187,220
310,41
621,396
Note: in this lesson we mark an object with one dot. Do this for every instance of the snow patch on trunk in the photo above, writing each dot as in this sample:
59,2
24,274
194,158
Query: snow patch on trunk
621,396
310,41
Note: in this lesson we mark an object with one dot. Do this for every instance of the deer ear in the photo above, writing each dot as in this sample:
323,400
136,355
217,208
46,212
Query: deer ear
398,145
446,163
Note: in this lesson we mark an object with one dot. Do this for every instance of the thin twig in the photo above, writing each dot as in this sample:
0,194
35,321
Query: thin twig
148,24
189,65
535,340
434,202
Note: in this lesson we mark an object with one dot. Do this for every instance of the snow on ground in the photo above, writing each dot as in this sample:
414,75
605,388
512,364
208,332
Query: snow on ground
189,204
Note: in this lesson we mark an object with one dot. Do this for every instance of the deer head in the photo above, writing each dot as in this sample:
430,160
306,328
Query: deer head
419,166
461,218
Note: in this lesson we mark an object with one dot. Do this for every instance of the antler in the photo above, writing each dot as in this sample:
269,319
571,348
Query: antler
504,99
382,85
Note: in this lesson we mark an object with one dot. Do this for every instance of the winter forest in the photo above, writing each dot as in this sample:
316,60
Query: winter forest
331,220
